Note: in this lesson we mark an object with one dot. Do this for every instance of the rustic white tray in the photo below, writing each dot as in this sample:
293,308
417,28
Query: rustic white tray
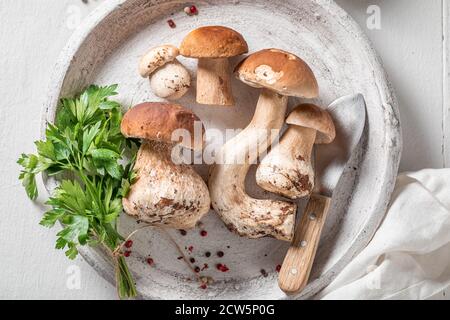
106,49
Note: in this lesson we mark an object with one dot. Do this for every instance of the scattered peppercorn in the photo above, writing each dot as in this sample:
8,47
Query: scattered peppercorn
204,286
197,269
127,253
183,232
129,243
171,23
150,261
220,254
180,257
191,248
278,268
222,267
205,266
203,233
192,260
207,254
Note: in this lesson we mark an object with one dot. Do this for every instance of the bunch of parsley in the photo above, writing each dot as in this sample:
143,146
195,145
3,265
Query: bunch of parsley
85,148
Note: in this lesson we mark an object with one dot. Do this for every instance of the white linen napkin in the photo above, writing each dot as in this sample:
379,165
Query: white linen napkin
409,256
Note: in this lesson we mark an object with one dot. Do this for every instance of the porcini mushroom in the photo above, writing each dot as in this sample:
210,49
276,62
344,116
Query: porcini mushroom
213,46
287,169
168,77
164,193
281,74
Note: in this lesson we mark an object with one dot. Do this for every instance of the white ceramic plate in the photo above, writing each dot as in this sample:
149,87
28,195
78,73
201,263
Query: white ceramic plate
106,50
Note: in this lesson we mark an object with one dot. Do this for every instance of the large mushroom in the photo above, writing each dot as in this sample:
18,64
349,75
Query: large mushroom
287,169
164,194
213,46
280,74
168,77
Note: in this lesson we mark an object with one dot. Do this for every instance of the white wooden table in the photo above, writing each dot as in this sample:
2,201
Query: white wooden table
411,42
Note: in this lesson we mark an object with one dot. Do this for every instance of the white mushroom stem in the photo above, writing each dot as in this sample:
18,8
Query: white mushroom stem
214,82
287,169
166,194
250,217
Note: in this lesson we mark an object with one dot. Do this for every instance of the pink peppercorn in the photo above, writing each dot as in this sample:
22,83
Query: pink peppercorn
222,267
193,10
129,244
171,23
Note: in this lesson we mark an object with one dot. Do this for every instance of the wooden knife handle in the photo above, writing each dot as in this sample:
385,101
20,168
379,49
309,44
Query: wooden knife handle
299,259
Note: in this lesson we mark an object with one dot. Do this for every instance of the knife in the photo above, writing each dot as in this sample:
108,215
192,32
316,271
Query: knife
349,115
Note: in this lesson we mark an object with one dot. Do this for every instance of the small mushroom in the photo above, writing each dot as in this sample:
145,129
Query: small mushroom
169,79
287,169
213,46
164,193
281,74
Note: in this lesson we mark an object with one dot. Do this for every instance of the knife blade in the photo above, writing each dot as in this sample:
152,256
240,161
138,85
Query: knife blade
349,116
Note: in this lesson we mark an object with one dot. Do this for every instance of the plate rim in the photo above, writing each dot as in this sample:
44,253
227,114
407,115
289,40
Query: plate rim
386,94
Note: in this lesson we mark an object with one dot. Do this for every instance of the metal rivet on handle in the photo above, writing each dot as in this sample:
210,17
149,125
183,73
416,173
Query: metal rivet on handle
304,243
312,216
294,271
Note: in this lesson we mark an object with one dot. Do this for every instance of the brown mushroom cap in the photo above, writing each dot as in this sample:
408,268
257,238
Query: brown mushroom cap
213,42
280,71
314,117
157,121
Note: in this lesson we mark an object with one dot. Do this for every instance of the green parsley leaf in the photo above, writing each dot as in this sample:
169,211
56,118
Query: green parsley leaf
76,229
108,105
72,252
107,159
